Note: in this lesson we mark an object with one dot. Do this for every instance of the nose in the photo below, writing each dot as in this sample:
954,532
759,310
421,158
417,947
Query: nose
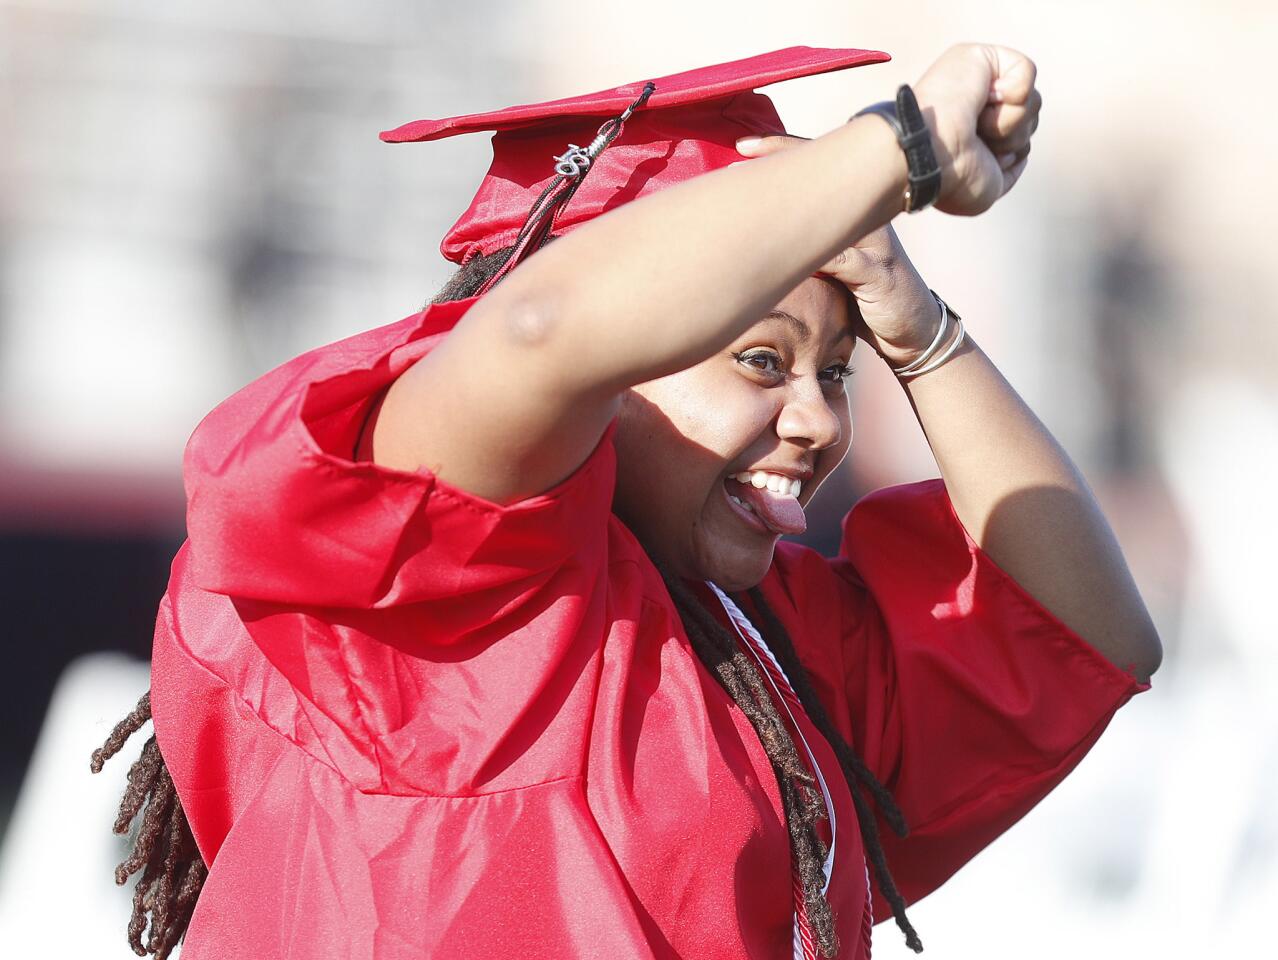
809,417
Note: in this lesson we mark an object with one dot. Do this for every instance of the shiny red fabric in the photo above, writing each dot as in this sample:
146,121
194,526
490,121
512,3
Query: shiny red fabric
689,126
405,722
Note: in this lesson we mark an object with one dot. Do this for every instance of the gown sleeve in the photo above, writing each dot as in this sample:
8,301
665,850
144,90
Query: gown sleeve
966,697
279,511
422,632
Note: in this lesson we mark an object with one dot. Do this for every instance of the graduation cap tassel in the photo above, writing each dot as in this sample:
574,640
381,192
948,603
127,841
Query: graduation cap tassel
571,168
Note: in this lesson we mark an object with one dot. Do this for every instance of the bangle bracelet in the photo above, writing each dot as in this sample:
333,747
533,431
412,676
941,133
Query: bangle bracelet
949,352
926,361
926,355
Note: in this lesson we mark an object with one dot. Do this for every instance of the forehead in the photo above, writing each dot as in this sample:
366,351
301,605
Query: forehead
815,311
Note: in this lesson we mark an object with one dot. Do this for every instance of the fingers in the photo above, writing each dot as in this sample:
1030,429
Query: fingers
835,265
1008,160
874,253
1013,74
1007,127
763,146
1013,173
882,243
852,265
849,265
1010,117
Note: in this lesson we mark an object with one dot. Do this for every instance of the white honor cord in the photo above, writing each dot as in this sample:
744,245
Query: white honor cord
755,643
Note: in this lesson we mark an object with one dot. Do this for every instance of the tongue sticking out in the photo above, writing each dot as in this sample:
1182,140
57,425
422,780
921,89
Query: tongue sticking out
779,511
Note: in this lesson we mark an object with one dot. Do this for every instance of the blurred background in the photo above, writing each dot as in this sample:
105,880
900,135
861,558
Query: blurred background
191,193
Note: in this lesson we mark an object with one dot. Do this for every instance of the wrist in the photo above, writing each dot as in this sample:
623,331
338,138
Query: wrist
906,349
915,137
941,149
882,140
944,344
901,320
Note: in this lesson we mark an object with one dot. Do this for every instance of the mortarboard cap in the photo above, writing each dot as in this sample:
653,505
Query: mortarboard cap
687,124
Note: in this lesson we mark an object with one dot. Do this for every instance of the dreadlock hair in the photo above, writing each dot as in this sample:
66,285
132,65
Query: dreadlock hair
173,872
164,850
854,769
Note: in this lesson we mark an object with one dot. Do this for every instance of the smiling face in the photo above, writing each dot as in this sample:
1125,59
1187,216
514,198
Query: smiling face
769,409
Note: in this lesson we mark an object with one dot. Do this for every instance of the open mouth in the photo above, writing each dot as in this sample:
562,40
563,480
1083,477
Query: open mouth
767,502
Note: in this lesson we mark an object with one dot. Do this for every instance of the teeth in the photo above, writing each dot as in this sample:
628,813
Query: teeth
773,481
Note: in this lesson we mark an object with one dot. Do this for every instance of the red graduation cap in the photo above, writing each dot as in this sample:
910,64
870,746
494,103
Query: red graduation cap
656,133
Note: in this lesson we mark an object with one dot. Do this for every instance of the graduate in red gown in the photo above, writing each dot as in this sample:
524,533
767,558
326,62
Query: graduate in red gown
485,643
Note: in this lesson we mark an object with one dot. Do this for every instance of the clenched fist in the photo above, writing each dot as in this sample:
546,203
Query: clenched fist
982,106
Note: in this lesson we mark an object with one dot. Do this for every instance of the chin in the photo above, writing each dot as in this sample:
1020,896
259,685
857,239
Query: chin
739,570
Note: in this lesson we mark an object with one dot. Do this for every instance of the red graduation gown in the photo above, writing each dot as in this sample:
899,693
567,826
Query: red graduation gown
405,722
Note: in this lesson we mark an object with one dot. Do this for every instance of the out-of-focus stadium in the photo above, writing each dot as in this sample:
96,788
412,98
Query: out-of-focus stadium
191,193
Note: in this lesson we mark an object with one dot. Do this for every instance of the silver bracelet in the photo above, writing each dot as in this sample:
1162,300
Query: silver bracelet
949,352
926,355
926,363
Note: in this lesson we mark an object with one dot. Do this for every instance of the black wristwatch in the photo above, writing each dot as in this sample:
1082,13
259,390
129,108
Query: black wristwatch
906,120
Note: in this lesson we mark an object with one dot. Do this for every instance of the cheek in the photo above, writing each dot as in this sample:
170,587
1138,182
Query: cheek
701,418
665,455
675,439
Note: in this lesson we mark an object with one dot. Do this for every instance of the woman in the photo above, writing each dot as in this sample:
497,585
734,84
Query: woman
483,642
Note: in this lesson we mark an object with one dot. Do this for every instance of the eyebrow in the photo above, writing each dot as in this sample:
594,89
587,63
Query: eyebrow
801,328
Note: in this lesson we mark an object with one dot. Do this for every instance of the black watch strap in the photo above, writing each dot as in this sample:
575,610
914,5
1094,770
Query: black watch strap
906,120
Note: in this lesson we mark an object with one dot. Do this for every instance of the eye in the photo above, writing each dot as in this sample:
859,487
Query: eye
762,361
837,373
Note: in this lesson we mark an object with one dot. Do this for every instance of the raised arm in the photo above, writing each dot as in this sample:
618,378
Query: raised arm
1025,502
519,393
1014,488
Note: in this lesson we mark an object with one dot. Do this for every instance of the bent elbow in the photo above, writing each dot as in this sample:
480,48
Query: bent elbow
530,322
549,337
1148,656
